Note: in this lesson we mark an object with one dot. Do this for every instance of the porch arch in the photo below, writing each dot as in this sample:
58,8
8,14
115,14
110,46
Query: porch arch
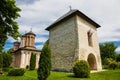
92,61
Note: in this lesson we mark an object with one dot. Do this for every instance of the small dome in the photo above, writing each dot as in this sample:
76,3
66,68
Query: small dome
29,33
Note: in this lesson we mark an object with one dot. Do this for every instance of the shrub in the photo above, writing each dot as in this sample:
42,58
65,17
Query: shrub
81,69
107,61
44,63
32,61
7,60
113,65
16,72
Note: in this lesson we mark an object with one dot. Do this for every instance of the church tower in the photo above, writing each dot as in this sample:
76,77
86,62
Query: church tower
21,55
16,45
74,37
23,39
30,40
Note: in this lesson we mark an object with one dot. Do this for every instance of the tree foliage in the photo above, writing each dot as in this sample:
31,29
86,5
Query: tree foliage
118,58
44,63
113,65
7,59
107,50
10,50
8,25
32,61
1,61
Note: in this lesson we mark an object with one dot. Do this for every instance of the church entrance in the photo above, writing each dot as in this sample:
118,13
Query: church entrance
92,62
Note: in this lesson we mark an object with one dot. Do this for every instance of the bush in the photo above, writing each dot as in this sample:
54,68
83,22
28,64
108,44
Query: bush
81,69
113,65
7,60
107,61
16,72
32,61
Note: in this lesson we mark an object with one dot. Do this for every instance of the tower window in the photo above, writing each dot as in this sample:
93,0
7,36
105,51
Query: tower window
90,42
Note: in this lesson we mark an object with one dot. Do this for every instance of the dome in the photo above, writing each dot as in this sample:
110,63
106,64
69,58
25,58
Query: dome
30,33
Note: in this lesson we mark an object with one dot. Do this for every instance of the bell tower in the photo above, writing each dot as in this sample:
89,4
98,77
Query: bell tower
16,45
30,39
23,39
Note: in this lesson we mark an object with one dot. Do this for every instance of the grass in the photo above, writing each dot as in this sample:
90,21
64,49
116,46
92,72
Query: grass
32,75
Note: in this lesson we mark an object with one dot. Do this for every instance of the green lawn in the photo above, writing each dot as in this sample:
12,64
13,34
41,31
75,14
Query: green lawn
32,75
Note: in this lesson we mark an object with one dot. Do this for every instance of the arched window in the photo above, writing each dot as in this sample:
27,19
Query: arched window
90,42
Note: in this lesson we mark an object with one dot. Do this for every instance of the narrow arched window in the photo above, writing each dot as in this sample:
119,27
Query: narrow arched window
90,42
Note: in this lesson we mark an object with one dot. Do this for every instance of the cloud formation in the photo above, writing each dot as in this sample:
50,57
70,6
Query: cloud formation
38,14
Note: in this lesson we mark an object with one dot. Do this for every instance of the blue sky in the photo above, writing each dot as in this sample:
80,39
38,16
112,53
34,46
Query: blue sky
38,14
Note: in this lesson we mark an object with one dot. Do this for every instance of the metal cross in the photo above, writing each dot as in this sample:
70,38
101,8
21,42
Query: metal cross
70,7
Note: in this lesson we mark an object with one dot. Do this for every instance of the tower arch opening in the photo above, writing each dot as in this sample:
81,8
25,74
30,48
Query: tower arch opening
92,61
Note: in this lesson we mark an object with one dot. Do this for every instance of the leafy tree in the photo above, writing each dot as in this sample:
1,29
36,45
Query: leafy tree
8,25
118,58
32,61
44,63
107,50
10,50
7,60
1,61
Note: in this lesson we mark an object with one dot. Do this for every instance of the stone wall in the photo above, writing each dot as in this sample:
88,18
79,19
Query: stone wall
69,42
63,40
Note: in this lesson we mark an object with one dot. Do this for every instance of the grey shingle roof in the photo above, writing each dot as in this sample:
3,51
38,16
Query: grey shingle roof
70,13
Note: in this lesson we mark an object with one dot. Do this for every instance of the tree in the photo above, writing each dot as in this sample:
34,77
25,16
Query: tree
32,61
10,50
7,59
118,58
107,50
44,63
8,25
1,61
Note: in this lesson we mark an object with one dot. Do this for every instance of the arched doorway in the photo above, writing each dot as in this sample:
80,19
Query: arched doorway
92,62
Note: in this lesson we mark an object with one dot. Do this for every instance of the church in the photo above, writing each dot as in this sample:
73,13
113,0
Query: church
74,37
23,50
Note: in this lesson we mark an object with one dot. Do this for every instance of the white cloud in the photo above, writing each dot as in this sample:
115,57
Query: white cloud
41,13
41,39
118,49
39,47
